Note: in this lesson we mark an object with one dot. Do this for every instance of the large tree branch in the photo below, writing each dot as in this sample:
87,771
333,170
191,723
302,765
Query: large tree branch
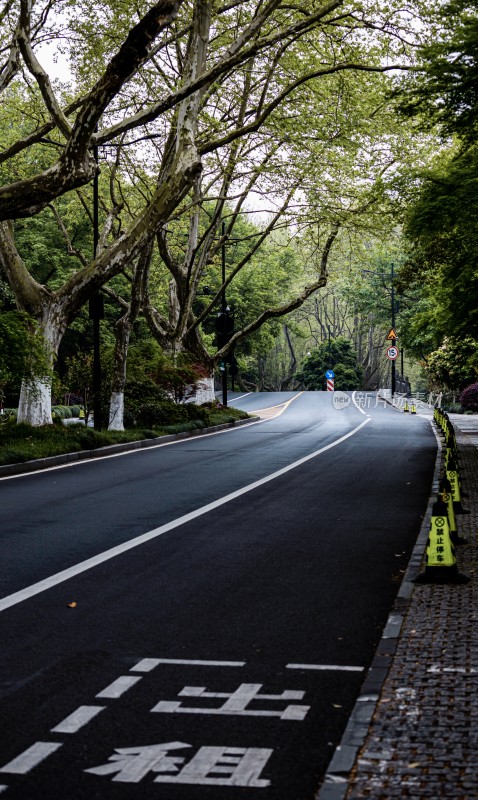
76,166
286,308
236,54
209,146
260,239
127,247
28,293
37,70
37,135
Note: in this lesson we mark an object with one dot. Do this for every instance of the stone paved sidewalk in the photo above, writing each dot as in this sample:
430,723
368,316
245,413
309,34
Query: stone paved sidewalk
417,736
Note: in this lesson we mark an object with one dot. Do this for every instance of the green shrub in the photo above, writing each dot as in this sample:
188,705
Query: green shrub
184,426
61,412
12,456
195,412
146,434
91,439
9,415
151,415
75,411
138,392
129,420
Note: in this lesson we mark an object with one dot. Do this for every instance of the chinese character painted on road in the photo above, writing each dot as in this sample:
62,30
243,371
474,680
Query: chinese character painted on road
237,702
132,763
212,766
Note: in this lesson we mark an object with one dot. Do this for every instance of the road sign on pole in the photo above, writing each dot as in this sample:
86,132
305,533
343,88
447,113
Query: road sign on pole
392,352
330,384
391,334
330,374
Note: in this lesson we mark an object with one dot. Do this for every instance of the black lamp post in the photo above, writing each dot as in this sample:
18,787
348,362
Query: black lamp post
96,307
393,309
393,371
224,320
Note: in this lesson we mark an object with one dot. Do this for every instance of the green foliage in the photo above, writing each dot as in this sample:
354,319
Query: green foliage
443,91
78,379
61,412
22,353
453,365
442,228
341,358
20,443
155,415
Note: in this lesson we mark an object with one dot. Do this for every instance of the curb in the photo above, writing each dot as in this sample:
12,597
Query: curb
37,464
335,783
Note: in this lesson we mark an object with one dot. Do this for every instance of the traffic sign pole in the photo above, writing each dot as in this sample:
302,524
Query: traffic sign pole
394,341
330,375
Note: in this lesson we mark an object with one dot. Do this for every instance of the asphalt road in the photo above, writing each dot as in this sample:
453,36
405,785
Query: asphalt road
218,656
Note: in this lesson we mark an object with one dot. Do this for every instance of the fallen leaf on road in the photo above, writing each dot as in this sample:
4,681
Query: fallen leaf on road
73,604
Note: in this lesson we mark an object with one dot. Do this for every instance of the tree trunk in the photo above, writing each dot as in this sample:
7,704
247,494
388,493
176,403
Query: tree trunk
205,391
123,333
116,418
34,407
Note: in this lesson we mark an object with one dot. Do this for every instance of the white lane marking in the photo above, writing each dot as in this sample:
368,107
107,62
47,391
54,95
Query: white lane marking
148,664
91,460
78,719
31,757
333,667
83,566
3,788
357,405
234,399
119,687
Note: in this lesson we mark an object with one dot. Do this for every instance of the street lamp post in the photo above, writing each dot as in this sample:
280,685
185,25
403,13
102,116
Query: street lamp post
224,309
393,376
96,309
393,341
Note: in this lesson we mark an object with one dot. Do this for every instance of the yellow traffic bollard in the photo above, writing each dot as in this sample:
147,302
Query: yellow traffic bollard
441,564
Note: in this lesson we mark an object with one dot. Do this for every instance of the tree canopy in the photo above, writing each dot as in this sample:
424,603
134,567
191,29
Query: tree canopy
337,355
184,120
443,91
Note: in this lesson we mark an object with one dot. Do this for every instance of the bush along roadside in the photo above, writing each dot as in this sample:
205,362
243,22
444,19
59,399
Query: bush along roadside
22,443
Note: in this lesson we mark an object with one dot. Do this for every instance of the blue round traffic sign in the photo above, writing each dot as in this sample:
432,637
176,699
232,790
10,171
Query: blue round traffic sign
330,374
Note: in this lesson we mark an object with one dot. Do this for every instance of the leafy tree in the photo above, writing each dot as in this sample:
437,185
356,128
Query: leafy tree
453,365
442,228
22,355
441,271
192,103
337,355
443,89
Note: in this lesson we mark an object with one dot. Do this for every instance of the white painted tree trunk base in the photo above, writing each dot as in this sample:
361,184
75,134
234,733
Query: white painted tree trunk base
34,407
205,391
116,421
